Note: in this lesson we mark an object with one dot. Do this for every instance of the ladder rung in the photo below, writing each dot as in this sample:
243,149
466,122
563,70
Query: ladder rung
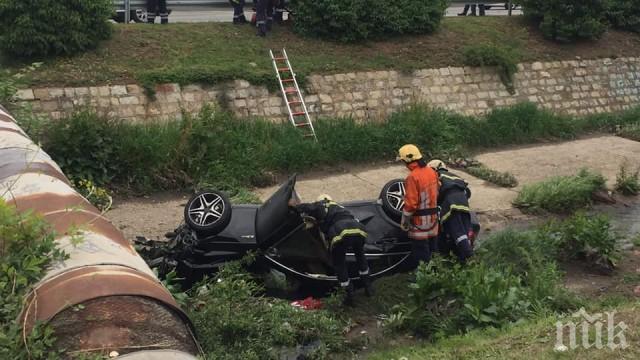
287,80
284,69
295,102
309,135
298,113
301,125
280,58
290,90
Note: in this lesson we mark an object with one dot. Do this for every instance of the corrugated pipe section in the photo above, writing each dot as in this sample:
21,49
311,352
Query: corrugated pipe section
103,298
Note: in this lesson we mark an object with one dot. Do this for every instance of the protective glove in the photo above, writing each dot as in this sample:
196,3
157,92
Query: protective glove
405,223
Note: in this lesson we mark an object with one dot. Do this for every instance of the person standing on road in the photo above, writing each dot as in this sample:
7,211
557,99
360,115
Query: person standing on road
157,7
455,213
420,212
264,16
238,12
342,231
481,7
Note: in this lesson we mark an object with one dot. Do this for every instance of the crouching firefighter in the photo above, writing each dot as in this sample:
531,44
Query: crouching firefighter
342,231
455,214
420,212
157,7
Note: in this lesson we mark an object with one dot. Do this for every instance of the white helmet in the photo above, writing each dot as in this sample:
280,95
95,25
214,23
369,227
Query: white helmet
437,165
324,197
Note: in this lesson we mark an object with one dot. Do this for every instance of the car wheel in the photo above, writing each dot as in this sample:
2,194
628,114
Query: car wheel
139,16
208,212
392,197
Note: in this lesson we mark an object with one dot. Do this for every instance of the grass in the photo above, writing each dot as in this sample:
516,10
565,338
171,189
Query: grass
201,53
627,181
504,179
630,131
531,340
560,194
215,149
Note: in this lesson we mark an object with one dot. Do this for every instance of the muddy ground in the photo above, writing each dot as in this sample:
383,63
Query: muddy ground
155,215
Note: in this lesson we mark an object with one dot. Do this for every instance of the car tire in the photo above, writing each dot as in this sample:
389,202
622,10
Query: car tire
208,212
392,198
139,16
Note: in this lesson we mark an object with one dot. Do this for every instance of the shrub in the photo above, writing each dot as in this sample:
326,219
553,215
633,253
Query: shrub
627,182
630,131
51,27
235,322
568,20
505,59
561,194
27,247
623,15
504,179
356,20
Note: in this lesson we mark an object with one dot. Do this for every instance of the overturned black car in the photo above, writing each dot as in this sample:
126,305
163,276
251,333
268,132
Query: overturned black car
215,232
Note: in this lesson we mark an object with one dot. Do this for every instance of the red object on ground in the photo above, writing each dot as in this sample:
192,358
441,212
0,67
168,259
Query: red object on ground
308,304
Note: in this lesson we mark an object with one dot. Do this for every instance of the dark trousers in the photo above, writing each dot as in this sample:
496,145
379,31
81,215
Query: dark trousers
238,8
473,9
339,257
157,7
455,237
420,251
264,11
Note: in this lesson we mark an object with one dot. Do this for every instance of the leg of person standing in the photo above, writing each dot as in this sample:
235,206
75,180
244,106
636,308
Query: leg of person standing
357,244
270,10
339,260
419,252
152,8
481,8
457,227
473,10
164,11
238,11
465,10
261,17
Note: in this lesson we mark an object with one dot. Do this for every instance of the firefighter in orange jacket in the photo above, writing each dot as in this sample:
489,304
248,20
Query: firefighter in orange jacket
420,212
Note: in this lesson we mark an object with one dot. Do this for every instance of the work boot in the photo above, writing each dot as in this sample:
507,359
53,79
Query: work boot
348,295
368,287
151,19
240,20
262,30
164,20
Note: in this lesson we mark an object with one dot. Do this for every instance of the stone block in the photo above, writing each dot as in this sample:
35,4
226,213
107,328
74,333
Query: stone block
326,99
242,103
55,93
129,100
134,89
118,90
25,95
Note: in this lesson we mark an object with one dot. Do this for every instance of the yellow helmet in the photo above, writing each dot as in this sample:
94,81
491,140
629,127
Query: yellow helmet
324,197
409,153
437,164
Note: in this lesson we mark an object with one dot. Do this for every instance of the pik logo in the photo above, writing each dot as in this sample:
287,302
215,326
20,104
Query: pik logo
592,330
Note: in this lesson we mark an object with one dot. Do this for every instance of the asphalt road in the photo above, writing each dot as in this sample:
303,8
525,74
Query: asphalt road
225,14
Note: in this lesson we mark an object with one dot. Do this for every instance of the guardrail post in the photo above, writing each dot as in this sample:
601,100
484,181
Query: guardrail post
127,11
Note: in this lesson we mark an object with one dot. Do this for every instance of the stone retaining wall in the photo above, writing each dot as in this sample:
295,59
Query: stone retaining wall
572,87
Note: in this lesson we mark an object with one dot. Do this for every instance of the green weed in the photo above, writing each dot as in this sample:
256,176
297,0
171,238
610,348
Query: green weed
627,182
27,247
505,59
235,321
504,179
630,131
216,149
560,194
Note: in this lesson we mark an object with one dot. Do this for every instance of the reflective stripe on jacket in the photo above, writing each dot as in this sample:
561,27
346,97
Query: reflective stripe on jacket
420,201
453,196
334,220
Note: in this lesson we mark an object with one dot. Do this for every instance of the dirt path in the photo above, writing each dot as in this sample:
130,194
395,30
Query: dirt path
154,216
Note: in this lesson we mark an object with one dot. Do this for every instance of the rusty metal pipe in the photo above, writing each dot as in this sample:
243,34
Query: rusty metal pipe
104,297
